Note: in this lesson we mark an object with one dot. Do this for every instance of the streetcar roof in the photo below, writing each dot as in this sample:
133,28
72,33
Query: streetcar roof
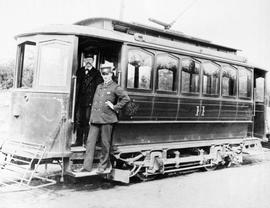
80,28
153,30
120,31
258,67
75,30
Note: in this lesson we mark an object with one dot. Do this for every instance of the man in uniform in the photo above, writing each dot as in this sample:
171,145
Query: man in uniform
108,100
88,78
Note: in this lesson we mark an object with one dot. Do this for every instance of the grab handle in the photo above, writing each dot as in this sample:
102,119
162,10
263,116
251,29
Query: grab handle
74,98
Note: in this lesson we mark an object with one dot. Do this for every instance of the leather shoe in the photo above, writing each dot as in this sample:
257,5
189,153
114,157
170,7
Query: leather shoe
102,170
81,170
76,145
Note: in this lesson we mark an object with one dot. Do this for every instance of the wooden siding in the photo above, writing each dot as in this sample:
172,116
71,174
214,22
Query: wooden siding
155,108
135,134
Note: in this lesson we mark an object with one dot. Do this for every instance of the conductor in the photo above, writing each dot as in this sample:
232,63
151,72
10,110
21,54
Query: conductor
88,78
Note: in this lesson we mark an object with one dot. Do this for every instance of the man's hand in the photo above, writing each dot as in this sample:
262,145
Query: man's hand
109,103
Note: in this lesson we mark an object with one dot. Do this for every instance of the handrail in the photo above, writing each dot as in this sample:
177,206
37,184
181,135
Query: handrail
74,98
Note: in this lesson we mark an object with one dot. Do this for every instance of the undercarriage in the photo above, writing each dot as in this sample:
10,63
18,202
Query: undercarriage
147,163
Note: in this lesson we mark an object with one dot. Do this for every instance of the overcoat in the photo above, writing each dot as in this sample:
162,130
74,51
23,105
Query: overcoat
86,86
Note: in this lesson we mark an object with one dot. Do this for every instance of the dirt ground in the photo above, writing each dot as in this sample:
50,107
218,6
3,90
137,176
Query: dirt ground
246,186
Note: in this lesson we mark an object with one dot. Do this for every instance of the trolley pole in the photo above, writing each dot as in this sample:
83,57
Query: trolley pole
122,8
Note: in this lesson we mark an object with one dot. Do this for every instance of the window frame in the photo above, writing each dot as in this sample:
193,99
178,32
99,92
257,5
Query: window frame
251,83
197,94
175,78
152,54
219,79
20,63
263,88
221,82
63,88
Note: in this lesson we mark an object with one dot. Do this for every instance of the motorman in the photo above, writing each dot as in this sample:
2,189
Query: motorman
108,100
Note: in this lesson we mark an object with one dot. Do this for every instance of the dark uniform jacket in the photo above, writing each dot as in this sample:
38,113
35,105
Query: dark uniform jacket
86,86
103,114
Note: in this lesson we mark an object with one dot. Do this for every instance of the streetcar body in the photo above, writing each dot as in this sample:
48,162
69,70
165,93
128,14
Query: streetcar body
190,99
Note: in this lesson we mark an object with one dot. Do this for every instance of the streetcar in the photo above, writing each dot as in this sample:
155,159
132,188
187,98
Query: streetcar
194,104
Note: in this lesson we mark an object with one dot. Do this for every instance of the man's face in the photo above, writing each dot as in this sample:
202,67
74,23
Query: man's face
107,76
88,62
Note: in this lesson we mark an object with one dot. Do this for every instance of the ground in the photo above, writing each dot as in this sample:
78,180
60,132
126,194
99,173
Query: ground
245,186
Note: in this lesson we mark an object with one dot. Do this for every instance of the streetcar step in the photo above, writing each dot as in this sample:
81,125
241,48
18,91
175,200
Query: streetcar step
93,172
18,167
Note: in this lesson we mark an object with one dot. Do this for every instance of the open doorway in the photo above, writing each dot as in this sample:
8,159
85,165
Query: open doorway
104,51
100,52
260,121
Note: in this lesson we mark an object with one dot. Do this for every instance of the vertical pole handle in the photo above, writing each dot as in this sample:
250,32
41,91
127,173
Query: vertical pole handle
74,98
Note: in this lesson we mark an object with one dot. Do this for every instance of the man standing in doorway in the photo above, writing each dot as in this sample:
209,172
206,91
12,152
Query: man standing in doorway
88,78
108,100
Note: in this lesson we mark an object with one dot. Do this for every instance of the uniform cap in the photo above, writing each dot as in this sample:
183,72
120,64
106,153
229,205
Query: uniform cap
88,55
107,67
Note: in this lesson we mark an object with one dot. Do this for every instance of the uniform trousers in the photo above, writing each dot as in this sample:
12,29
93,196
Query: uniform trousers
83,117
106,133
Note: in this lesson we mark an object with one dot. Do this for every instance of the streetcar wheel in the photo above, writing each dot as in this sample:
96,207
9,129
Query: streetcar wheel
144,178
210,165
227,162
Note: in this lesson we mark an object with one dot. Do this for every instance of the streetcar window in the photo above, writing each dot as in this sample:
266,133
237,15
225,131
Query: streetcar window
26,65
244,82
190,76
139,69
53,64
210,78
259,90
228,81
166,72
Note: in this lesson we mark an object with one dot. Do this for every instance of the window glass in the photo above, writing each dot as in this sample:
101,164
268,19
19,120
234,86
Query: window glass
190,74
139,69
244,82
259,90
210,78
228,81
53,64
166,72
26,70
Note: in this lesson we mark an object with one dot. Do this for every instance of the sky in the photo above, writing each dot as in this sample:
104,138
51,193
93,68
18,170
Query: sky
241,24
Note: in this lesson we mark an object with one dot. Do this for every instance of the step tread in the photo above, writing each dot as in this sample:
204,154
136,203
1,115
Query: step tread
78,149
82,149
93,172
